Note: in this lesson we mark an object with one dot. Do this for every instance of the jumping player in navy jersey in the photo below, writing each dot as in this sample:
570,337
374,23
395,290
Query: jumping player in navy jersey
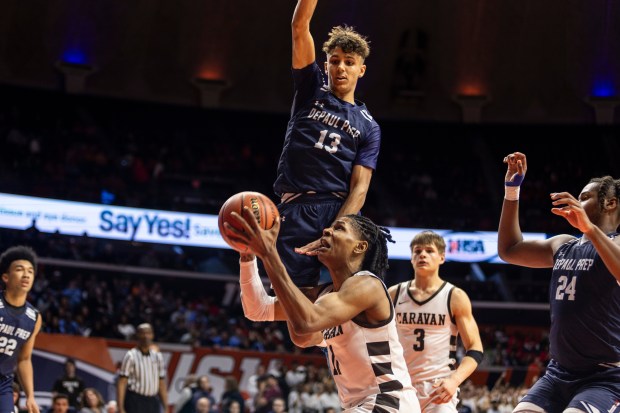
331,145
584,372
19,324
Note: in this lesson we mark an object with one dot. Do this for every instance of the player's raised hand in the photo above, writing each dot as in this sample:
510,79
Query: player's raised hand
517,167
260,241
565,205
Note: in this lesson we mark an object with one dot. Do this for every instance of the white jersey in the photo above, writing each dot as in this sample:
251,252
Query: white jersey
427,331
368,366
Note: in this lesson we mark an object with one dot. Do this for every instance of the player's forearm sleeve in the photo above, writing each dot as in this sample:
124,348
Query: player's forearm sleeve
257,305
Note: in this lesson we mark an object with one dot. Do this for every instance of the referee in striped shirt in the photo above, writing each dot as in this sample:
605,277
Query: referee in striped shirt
142,377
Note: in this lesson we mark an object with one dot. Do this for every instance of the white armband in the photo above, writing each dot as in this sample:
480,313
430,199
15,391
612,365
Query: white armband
511,193
257,305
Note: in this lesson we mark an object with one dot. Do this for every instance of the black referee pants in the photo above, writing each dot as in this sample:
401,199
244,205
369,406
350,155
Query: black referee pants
136,403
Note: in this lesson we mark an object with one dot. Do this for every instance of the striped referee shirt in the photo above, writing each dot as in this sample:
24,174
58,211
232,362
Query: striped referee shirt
143,371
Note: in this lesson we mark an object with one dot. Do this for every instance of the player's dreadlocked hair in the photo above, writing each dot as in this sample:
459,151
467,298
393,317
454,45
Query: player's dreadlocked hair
607,188
15,254
348,40
376,258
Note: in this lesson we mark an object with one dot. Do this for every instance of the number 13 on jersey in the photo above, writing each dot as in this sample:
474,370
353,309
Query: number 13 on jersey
335,141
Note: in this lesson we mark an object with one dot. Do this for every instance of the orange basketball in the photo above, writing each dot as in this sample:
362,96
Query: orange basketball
263,208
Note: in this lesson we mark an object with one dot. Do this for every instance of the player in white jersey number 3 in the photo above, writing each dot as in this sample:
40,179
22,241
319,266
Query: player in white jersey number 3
430,315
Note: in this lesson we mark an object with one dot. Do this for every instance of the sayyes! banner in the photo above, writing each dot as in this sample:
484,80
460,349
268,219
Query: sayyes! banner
177,228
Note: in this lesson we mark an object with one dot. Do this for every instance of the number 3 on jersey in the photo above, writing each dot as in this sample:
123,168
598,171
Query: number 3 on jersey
334,145
566,287
419,333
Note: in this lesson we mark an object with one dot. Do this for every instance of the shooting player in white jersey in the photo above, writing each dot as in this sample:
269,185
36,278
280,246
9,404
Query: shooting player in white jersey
353,317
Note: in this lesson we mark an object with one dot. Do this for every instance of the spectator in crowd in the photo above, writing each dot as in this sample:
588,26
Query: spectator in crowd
60,404
184,403
231,393
203,405
111,407
70,384
92,401
204,389
253,380
234,407
310,400
270,389
328,396
295,375
278,405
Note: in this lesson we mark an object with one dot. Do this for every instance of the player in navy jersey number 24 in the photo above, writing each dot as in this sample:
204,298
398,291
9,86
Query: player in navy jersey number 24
19,324
331,145
584,372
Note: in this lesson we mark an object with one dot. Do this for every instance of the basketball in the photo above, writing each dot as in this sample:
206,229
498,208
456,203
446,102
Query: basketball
263,208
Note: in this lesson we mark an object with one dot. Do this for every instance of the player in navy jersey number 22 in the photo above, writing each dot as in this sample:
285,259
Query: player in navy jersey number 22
19,324
331,145
584,372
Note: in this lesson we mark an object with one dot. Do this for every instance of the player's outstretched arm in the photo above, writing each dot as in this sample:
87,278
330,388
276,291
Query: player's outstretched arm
511,246
608,249
257,304
355,295
304,340
360,182
460,305
303,43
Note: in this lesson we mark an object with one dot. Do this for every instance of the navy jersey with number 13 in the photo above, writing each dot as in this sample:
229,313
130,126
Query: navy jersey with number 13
325,138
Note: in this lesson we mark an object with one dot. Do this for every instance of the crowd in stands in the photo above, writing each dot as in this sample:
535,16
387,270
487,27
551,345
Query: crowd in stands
311,389
187,159
298,388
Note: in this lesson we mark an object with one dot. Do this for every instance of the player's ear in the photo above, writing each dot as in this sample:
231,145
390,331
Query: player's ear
361,247
362,70
611,203
5,277
443,258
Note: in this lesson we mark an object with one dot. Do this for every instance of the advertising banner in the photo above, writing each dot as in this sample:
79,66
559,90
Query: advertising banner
176,228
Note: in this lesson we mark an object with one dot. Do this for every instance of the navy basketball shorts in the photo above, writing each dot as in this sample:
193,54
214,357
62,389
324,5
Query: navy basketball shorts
558,389
302,221
6,393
